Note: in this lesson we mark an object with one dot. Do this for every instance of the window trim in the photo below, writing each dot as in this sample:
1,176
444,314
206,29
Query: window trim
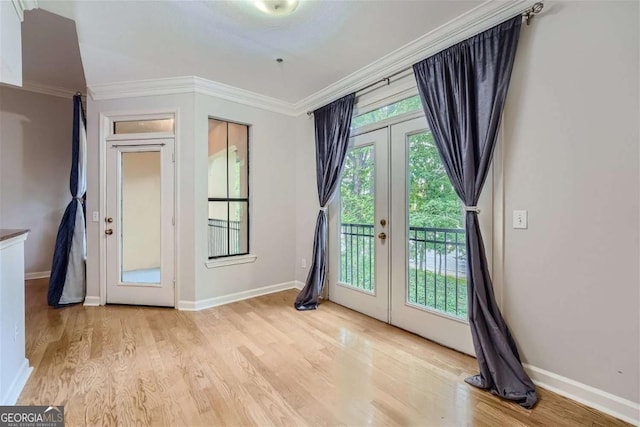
243,257
230,260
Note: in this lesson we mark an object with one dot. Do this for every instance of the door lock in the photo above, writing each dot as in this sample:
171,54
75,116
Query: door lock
383,222
109,219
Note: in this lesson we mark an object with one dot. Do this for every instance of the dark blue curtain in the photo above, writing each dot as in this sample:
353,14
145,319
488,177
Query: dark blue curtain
463,91
333,123
67,272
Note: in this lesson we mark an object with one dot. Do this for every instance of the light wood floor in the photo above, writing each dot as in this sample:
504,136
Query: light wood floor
258,362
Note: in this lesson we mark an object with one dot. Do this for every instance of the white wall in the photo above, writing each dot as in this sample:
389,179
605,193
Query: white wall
572,284
272,211
35,161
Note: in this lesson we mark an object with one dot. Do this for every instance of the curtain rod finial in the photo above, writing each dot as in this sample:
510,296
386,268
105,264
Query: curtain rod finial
533,10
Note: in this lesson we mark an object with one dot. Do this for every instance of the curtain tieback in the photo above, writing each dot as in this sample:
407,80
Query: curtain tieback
80,199
472,209
323,208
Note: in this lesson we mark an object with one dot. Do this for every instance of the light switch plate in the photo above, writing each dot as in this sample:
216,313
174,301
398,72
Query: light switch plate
95,216
520,219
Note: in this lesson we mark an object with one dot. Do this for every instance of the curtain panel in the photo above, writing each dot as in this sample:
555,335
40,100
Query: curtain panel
463,91
332,124
67,284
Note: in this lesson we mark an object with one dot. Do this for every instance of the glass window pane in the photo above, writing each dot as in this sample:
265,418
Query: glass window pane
238,228
228,181
357,242
143,126
238,164
407,105
217,159
436,246
140,217
218,229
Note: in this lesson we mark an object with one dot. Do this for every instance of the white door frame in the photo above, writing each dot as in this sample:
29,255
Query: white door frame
106,135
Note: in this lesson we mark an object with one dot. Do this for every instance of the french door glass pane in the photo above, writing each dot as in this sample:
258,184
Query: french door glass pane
357,242
436,238
140,217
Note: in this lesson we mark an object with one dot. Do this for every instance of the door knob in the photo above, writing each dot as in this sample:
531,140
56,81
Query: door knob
108,232
383,222
109,220
382,236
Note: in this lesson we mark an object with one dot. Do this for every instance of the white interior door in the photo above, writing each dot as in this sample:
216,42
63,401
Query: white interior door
139,226
358,248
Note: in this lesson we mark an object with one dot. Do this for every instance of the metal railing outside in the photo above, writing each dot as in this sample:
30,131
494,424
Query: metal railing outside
224,237
437,265
357,261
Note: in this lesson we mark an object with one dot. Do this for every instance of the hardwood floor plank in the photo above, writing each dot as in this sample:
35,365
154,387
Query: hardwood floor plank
258,362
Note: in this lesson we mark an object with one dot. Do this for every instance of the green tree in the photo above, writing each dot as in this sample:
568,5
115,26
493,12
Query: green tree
358,186
432,199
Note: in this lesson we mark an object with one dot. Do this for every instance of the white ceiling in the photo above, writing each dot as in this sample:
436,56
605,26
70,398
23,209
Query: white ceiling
233,43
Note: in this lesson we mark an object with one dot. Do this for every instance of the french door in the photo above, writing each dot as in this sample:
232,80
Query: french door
139,226
397,239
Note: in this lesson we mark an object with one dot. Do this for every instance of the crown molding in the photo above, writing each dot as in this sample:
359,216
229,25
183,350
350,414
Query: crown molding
48,90
189,84
22,5
475,21
151,87
43,89
242,96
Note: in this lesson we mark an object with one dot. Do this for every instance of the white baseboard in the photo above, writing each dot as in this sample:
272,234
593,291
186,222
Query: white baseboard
37,275
601,400
91,301
298,284
238,296
13,393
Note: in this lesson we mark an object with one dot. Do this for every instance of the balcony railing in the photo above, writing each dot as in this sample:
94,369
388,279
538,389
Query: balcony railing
437,265
224,237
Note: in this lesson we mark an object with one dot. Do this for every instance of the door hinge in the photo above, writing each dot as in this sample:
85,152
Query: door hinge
173,157
173,220
174,283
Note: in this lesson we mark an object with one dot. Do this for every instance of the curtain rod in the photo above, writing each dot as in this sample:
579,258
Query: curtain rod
528,14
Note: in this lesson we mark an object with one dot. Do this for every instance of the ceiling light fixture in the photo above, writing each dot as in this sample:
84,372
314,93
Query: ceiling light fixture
276,7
